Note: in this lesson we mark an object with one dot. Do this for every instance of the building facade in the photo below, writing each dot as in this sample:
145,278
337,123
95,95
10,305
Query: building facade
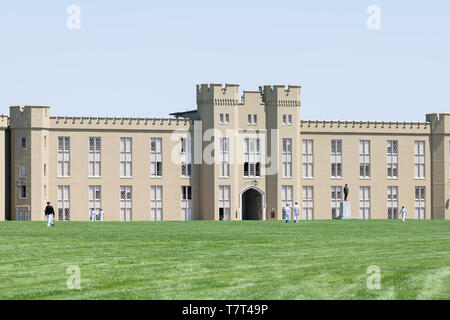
233,158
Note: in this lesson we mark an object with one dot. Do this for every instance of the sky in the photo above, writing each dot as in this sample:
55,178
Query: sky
143,58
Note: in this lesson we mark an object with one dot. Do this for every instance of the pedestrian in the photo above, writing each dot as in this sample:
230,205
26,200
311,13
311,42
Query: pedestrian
288,213
296,212
100,214
49,212
403,212
92,215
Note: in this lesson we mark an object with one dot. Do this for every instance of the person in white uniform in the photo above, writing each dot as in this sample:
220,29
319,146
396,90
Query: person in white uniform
296,209
403,212
100,214
287,214
92,215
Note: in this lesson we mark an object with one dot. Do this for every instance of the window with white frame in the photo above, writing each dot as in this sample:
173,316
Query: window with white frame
336,198
336,158
227,118
283,119
392,159
186,203
287,196
63,156
156,203
252,158
364,158
308,203
95,153
392,202
221,118
224,155
364,202
125,203
249,119
186,158
23,171
255,119
125,158
289,119
419,159
287,157
95,199
63,197
308,158
156,157
419,202
224,203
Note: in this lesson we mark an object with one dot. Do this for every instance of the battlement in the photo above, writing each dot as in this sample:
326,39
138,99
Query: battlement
114,123
361,127
279,95
216,94
29,116
4,121
440,122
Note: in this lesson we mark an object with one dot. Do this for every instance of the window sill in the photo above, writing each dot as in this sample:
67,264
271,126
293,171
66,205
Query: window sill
94,177
126,177
308,178
156,177
65,177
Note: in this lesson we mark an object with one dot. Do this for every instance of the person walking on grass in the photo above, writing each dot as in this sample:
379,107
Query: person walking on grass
49,213
92,215
100,214
403,212
287,213
296,212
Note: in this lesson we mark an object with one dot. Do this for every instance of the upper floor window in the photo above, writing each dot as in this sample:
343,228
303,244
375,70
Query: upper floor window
156,157
419,159
255,119
227,118
252,158
336,158
286,119
63,156
287,158
23,143
23,192
23,171
392,159
95,150
186,158
283,121
364,159
308,158
289,119
224,157
224,118
125,158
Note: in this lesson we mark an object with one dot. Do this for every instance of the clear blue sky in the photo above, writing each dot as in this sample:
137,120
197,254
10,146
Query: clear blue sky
143,58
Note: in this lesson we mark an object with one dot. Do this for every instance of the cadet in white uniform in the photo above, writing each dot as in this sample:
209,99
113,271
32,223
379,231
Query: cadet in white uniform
92,215
288,213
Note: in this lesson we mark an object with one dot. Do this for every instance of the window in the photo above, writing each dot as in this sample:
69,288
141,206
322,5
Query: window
23,171
255,119
308,159
283,121
224,203
45,169
227,118
186,158
287,196
289,119
156,204
249,119
221,118
95,199
23,143
419,159
252,158
186,203
392,202
156,157
336,158
23,192
392,159
364,202
364,159
125,203
63,203
336,198
45,191
95,149
419,202
308,203
63,157
125,158
287,158
224,157
45,142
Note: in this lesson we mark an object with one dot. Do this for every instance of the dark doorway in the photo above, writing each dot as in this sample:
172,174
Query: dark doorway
251,205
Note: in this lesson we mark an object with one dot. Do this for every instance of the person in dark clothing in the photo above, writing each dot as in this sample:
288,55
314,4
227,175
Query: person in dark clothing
49,213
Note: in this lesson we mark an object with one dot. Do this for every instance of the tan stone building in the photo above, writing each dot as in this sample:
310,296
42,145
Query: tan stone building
234,158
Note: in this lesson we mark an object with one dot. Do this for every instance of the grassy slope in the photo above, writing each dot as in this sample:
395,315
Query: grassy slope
226,260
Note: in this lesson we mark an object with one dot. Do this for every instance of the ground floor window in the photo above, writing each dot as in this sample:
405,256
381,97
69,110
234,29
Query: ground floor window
63,203
125,203
156,204
186,203
308,203
23,214
287,196
419,202
224,203
336,198
95,200
364,202
392,202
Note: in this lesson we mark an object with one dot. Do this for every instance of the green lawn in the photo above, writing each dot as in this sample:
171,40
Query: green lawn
226,260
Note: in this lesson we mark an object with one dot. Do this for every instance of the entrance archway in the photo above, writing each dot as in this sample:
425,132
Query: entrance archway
252,204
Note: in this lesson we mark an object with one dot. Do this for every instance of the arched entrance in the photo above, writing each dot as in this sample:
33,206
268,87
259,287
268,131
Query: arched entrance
252,204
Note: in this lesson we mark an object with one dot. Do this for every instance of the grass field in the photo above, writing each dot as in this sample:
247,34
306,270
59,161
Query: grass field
226,260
